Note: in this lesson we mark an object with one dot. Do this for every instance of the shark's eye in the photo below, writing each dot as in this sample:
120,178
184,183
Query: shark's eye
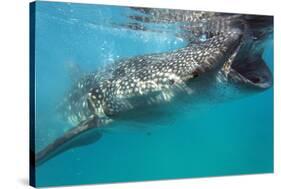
171,81
195,73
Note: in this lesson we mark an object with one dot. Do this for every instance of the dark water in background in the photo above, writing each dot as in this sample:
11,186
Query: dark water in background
232,137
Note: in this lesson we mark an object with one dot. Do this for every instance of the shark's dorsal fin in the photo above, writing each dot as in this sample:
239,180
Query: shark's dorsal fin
83,134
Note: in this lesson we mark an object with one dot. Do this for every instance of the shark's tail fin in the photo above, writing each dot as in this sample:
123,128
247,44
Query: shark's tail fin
83,134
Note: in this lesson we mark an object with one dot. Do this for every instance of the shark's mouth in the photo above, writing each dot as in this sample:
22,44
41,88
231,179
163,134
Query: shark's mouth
252,71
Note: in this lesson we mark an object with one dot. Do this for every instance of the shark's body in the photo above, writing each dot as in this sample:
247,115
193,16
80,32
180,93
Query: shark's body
143,82
146,80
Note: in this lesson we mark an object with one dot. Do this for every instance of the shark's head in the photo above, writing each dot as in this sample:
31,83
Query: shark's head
241,71
252,72
215,51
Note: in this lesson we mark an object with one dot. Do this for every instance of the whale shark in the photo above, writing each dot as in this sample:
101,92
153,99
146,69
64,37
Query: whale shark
158,79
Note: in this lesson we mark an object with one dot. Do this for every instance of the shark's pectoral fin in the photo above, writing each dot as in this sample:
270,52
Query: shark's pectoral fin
83,134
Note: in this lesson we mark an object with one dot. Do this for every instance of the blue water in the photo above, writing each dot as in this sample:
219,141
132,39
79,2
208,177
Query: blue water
227,138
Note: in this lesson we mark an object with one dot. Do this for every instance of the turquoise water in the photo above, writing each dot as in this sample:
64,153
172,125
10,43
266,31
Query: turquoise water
226,138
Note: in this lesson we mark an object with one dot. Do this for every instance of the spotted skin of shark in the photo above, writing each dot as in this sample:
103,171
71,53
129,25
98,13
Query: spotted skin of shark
146,80
99,97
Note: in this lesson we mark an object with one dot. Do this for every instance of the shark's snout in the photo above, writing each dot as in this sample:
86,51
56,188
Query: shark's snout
253,71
